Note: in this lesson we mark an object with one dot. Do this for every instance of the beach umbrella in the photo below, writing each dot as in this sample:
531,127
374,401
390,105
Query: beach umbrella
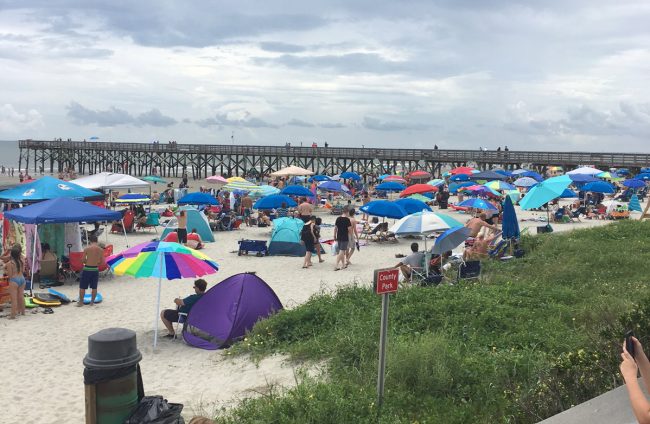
532,174
453,223
419,175
46,188
518,172
394,179
623,171
509,226
568,194
424,222
525,182
381,177
319,178
582,178
599,187
419,197
514,195
437,182
274,201
154,179
384,208
545,191
390,186
334,186
133,198
163,260
413,205
645,176
197,198
499,185
235,179
455,187
478,204
296,180
350,176
634,183
290,171
606,175
481,190
487,175
459,177
418,189
295,190
217,179
263,191
467,170
587,170
450,239
240,186
634,204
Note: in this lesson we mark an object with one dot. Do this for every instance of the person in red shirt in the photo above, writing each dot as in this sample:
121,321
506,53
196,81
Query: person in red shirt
194,240
172,237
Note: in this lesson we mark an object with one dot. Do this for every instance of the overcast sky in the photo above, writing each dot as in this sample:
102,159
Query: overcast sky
547,75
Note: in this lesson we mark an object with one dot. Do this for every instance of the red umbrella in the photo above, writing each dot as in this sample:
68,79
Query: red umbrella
419,175
467,170
394,178
418,189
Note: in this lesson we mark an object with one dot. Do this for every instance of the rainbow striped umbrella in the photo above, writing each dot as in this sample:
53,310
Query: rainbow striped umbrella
163,260
240,186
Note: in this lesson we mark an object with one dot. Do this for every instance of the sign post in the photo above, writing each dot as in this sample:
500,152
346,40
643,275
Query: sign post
386,281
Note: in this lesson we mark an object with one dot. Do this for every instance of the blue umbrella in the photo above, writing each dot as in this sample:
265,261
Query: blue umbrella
295,190
197,198
454,187
504,172
645,176
599,187
532,174
519,171
390,186
634,183
477,204
568,194
623,171
487,175
381,177
545,191
510,226
296,179
319,178
525,182
274,201
133,198
48,188
582,178
459,177
351,176
413,205
384,208
263,191
450,239
333,186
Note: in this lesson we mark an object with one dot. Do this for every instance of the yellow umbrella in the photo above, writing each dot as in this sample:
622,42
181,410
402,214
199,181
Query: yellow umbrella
233,179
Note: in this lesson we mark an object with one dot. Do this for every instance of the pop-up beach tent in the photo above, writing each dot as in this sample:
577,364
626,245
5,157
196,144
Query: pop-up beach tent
227,311
59,210
285,238
195,219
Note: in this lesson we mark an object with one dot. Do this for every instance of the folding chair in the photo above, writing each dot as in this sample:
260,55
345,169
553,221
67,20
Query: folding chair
153,220
182,318
469,270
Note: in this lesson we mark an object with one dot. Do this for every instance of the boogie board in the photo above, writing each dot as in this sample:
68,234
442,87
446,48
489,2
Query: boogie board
29,304
88,297
63,298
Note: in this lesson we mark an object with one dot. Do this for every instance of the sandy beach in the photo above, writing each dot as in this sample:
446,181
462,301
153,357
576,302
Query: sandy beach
43,353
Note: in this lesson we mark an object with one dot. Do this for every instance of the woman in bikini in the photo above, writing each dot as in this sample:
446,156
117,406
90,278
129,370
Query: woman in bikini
14,270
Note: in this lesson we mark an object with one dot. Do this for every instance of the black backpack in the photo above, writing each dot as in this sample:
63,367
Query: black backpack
156,410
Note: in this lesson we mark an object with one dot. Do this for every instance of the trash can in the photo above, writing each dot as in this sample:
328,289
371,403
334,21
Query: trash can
113,383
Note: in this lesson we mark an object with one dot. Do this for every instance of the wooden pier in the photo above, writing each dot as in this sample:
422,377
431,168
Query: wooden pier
203,160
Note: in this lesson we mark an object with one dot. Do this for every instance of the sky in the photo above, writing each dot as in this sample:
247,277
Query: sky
539,75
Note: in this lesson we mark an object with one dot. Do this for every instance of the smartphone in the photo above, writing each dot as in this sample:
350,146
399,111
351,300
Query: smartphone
629,344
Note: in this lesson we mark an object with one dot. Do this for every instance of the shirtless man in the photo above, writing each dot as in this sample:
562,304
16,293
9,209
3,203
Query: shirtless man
355,237
247,209
479,249
476,223
305,209
182,227
93,258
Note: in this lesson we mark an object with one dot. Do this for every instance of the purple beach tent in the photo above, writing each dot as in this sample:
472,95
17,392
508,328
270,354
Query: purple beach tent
227,311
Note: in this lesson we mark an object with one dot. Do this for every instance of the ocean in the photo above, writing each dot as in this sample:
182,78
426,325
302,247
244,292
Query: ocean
9,153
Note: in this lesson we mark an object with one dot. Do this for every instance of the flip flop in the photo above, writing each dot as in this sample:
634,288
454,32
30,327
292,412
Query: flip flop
48,311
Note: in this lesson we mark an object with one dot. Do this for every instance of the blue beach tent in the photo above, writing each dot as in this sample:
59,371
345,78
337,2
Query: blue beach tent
46,188
285,238
197,198
60,210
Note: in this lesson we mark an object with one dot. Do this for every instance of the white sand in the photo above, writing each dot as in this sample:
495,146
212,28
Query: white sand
42,354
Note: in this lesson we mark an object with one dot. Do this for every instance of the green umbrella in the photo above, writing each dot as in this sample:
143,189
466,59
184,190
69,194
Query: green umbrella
154,179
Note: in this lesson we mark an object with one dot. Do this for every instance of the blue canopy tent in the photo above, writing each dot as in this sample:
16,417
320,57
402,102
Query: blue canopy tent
197,198
56,211
46,188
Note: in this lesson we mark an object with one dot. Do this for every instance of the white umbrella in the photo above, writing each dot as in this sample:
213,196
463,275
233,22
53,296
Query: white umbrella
291,171
585,170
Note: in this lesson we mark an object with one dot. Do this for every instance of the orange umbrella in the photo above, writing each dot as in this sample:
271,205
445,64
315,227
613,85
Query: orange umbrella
467,170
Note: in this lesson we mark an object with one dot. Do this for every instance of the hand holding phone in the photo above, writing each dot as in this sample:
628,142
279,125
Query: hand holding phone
629,343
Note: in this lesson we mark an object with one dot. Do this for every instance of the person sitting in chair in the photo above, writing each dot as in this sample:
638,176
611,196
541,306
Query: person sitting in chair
479,250
412,261
169,316
194,240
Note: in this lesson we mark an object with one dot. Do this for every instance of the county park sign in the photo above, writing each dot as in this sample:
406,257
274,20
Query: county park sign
386,280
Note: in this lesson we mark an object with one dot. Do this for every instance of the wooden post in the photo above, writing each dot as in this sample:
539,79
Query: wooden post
645,214
91,403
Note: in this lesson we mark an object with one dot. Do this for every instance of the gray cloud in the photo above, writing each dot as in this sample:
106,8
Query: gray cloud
276,46
299,123
378,125
331,125
346,63
222,120
113,117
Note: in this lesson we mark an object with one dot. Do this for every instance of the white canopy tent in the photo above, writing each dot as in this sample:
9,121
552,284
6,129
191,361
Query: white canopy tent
110,181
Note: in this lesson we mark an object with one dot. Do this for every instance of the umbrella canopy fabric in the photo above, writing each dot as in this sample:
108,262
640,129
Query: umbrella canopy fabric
153,179
290,171
419,175
240,186
645,176
217,179
319,178
606,175
481,190
394,179
459,177
568,194
582,178
46,188
296,190
350,176
436,182
384,208
504,172
585,170
499,185
413,205
197,198
487,175
599,187
510,226
532,174
264,190
462,170
634,183
450,239
235,179
418,189
419,223
455,187
545,191
334,186
274,201
449,220
61,210
519,171
109,180
419,197
525,182
133,198
390,186
478,204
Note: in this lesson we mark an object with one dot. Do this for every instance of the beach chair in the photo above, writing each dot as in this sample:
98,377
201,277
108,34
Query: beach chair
182,318
74,265
420,276
469,270
153,220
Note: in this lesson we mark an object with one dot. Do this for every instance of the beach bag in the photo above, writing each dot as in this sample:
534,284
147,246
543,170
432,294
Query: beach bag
335,248
156,410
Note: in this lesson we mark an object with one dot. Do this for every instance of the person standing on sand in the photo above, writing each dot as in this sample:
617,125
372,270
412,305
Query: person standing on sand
305,209
247,209
342,234
354,240
14,271
182,227
307,237
93,258
317,245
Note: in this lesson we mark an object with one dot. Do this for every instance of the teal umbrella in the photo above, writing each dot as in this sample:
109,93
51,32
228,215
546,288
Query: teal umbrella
545,191
154,179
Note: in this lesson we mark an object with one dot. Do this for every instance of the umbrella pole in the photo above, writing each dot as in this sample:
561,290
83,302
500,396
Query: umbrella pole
31,284
124,231
155,318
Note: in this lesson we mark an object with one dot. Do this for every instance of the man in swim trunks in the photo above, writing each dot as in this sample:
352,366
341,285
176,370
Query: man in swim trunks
475,224
93,258
247,208
305,209
182,227
169,316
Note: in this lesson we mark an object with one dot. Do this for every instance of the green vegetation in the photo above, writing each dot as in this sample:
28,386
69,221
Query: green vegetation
532,338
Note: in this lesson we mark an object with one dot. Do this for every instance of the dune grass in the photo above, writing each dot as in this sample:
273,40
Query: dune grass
533,337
